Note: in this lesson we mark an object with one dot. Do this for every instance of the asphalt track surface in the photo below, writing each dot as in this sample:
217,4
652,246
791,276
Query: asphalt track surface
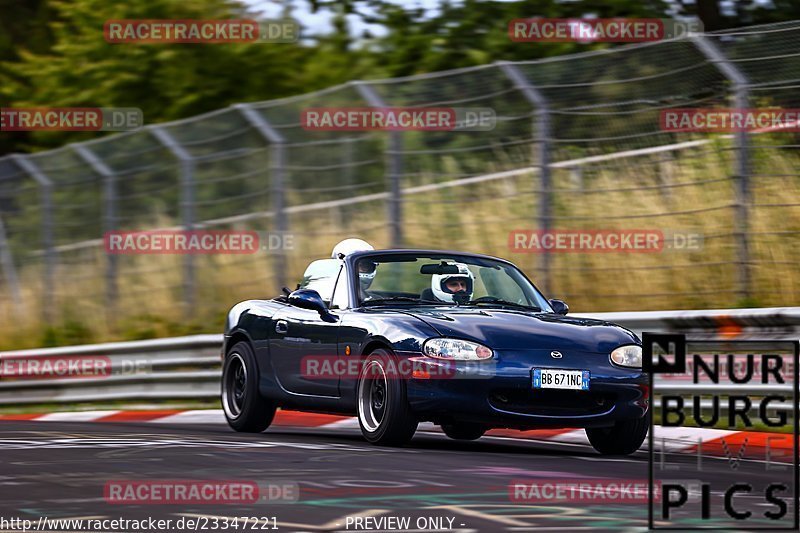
60,469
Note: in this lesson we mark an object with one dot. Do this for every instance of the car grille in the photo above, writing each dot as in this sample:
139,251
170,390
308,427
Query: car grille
548,402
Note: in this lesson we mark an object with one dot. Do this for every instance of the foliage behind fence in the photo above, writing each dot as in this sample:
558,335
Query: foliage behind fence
577,145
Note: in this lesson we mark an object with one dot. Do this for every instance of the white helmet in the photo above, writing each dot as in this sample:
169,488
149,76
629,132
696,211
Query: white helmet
348,246
439,287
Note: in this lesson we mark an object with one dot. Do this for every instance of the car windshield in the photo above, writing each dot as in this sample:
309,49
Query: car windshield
445,280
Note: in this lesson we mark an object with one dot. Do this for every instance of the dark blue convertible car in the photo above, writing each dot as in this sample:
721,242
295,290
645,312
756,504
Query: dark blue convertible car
462,340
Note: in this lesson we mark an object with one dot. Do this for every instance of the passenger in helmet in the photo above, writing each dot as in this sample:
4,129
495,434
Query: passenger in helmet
366,273
456,288
366,269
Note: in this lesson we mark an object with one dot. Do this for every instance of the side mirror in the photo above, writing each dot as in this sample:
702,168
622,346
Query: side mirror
311,300
559,306
307,299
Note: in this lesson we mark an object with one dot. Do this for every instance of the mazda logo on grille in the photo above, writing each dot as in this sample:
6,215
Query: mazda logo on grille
556,355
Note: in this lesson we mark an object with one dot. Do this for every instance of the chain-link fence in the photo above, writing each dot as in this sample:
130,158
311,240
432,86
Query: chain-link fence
577,145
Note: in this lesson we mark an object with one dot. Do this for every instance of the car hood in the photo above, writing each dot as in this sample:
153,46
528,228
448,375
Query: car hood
505,329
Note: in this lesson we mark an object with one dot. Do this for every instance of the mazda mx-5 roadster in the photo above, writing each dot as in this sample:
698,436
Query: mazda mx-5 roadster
466,341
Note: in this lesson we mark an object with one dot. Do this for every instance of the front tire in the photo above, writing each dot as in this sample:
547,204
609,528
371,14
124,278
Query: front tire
245,409
383,412
623,438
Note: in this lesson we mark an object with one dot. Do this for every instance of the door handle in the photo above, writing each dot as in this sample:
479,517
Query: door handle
282,327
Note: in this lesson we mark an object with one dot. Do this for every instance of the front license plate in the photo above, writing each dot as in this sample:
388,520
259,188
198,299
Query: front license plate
550,378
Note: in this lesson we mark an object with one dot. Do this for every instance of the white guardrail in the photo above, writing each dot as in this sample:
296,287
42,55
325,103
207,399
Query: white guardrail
189,367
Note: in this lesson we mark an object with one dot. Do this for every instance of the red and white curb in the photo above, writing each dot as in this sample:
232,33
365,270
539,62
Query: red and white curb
713,442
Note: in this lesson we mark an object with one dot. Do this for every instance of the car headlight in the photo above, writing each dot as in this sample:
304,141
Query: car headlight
630,356
456,349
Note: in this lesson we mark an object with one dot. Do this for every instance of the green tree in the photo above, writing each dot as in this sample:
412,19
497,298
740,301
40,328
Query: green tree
166,81
472,32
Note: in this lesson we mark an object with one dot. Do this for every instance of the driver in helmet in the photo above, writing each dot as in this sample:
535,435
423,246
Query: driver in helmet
455,288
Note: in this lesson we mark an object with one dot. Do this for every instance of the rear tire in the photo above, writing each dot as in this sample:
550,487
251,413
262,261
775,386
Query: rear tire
245,409
623,438
383,412
463,431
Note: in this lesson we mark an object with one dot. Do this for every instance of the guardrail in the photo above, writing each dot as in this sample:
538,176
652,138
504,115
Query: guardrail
189,367
158,369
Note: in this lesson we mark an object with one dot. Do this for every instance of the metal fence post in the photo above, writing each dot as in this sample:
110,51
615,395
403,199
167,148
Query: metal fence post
741,87
187,207
277,179
46,191
9,271
541,158
109,217
394,154
347,160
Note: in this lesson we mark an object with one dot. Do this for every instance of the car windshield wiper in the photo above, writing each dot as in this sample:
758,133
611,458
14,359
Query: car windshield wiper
491,300
389,299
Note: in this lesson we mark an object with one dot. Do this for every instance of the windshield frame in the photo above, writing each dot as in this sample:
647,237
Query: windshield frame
433,255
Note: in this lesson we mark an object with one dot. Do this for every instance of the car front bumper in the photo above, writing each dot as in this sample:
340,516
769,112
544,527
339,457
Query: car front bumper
499,392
